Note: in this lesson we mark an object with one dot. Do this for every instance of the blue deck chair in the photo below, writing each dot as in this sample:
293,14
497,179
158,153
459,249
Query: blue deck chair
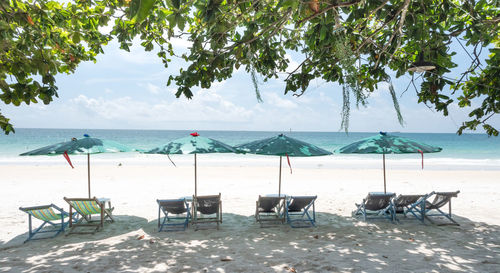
406,204
170,207
49,214
428,210
87,208
376,205
270,209
298,211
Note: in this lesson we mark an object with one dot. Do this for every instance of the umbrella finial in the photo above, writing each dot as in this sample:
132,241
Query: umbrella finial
74,139
195,134
281,135
383,133
86,135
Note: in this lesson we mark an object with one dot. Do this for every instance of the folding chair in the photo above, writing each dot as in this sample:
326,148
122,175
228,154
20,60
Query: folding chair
269,209
404,204
297,210
49,214
376,205
207,209
179,208
429,210
86,208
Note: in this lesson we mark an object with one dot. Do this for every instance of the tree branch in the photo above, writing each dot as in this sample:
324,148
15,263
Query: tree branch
399,30
332,6
295,70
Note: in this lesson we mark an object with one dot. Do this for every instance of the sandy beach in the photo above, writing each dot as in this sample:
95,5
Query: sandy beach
339,243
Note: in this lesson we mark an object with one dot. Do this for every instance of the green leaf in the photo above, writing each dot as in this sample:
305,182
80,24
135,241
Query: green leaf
143,10
76,38
323,31
180,21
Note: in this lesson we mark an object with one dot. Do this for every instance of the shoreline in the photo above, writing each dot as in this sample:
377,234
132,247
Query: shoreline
354,162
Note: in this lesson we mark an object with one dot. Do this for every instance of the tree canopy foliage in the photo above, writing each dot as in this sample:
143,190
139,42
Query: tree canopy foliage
356,43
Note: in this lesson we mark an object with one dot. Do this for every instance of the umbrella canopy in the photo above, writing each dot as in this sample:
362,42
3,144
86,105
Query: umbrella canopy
193,144
384,143
86,145
282,145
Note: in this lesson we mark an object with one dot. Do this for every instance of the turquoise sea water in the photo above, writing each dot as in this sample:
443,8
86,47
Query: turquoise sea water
468,146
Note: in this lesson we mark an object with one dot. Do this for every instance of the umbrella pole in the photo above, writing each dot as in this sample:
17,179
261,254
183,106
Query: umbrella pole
195,186
279,188
88,170
383,160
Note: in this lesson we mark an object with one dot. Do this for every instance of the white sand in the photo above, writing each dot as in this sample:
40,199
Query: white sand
339,243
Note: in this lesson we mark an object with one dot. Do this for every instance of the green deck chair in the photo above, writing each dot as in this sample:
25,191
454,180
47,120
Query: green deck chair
86,208
49,214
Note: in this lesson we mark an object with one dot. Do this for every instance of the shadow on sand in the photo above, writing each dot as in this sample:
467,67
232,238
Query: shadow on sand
337,244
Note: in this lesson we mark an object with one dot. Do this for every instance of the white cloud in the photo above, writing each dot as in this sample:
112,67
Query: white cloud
274,100
152,88
207,106
138,55
182,44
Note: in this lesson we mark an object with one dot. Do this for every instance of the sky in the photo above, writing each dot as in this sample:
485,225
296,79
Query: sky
127,90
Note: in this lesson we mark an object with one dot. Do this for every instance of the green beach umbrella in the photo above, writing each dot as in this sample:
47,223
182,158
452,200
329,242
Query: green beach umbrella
282,145
193,144
86,145
384,143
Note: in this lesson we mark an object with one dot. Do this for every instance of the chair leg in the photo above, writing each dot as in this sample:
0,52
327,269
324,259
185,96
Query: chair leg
422,212
102,215
70,213
257,211
447,216
159,209
30,228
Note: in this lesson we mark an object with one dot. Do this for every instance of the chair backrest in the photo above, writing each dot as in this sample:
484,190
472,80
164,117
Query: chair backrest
297,203
268,203
45,213
378,201
174,206
85,206
441,199
406,200
208,204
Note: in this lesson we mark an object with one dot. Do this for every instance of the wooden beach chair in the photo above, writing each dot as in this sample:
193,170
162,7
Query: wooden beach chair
87,208
48,214
429,210
269,210
207,209
298,210
404,204
176,214
376,205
